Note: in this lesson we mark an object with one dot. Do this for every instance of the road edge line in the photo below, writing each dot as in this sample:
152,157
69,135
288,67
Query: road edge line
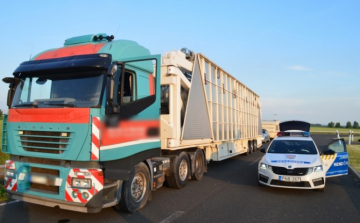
10,202
354,173
172,217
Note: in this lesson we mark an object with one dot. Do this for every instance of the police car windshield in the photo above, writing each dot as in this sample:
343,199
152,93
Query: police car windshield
293,147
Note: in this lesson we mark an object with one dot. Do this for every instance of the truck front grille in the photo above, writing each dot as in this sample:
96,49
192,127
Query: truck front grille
44,142
293,172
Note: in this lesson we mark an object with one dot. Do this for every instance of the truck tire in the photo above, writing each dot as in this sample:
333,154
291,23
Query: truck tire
198,165
181,171
250,146
248,151
254,145
136,190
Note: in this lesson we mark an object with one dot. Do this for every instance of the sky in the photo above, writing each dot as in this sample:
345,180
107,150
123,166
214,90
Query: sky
302,57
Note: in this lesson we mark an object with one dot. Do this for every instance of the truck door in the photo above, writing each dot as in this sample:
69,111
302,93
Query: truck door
132,124
335,158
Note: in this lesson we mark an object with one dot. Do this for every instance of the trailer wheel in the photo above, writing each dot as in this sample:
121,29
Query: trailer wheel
181,171
135,191
250,146
254,145
248,151
199,165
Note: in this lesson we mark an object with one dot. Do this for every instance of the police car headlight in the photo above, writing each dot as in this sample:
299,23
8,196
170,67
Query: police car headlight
318,168
265,166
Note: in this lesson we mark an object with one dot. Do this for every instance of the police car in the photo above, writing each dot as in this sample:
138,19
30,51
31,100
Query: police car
292,160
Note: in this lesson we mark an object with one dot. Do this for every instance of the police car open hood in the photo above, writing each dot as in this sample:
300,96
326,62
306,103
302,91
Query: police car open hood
295,125
293,160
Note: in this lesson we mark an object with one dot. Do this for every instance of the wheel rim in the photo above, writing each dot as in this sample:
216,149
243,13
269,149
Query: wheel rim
138,187
198,164
183,170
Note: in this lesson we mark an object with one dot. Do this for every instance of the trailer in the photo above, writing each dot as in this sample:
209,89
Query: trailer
102,122
272,127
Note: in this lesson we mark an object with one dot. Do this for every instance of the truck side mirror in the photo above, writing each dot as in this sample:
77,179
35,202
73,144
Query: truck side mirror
263,150
111,107
9,97
12,84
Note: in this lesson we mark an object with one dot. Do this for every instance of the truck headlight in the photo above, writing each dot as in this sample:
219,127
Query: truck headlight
265,166
81,183
10,173
318,168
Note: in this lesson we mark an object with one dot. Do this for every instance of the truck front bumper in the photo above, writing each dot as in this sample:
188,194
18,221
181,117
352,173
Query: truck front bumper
89,207
69,188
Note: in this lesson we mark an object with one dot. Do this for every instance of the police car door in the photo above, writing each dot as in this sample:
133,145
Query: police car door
335,158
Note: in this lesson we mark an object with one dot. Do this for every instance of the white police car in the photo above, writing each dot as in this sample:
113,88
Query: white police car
292,159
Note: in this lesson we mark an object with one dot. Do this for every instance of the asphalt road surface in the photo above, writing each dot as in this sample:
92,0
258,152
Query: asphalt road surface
229,192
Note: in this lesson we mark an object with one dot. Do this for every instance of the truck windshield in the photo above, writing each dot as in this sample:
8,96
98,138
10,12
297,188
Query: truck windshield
293,146
70,89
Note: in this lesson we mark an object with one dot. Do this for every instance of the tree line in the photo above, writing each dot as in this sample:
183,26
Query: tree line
348,125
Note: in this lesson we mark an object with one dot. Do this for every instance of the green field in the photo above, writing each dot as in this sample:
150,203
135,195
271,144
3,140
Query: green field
327,130
354,156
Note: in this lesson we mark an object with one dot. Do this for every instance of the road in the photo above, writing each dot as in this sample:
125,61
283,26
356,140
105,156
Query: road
229,192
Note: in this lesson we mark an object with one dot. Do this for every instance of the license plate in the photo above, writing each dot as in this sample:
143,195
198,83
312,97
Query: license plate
38,179
289,179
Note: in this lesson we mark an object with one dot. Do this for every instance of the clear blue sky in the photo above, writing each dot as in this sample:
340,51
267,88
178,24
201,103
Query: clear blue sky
302,57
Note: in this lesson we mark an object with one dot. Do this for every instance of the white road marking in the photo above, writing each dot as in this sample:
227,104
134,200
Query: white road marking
11,202
172,217
256,161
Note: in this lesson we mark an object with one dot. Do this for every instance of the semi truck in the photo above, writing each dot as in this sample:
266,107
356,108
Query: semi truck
101,122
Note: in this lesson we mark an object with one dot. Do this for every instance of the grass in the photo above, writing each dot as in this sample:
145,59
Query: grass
3,195
327,130
354,156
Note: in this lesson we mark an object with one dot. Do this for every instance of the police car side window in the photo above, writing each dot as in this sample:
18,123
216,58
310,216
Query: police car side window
337,146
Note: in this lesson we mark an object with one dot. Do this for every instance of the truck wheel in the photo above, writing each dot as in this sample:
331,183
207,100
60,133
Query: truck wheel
135,191
181,168
248,151
250,145
199,165
254,146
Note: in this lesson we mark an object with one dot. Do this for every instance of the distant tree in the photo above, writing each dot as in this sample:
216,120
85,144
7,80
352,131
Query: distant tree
337,125
356,125
331,125
316,125
1,114
348,125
